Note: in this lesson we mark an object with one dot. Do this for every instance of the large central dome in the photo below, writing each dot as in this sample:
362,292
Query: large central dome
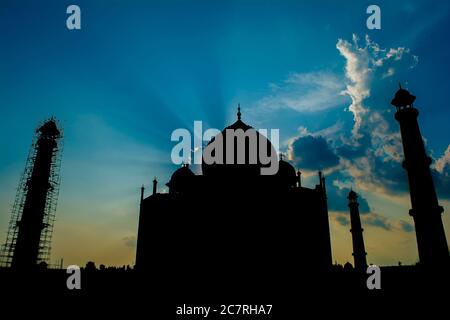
239,150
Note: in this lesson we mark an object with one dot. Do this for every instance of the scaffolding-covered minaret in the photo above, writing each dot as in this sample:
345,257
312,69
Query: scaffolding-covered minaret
28,241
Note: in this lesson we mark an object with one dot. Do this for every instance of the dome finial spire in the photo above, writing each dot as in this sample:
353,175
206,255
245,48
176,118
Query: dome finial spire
239,112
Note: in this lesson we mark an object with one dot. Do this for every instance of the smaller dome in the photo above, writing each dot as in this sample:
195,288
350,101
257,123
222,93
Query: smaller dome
348,266
287,173
181,179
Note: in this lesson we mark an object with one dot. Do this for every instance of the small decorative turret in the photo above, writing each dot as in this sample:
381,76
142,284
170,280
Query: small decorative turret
299,178
142,193
155,185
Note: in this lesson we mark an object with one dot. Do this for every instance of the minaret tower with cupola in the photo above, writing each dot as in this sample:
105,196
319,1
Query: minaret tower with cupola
359,251
426,211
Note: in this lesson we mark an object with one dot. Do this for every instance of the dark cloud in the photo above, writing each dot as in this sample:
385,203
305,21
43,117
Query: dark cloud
313,153
350,152
130,241
343,220
394,178
391,175
378,221
442,182
370,154
406,226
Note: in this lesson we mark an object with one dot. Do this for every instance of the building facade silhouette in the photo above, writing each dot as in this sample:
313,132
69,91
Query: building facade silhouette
232,220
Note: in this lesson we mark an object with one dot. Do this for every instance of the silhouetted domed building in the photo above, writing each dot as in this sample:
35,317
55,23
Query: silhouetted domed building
231,221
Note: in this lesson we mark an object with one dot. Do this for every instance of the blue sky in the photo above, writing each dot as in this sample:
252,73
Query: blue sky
137,70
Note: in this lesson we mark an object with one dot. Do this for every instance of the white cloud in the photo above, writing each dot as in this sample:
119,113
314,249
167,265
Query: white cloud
443,161
372,152
366,68
304,92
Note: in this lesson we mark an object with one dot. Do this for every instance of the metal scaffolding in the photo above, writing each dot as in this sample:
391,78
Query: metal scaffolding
44,250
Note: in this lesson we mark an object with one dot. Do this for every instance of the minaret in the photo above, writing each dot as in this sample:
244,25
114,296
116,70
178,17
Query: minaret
155,184
325,254
32,227
426,212
140,235
359,251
